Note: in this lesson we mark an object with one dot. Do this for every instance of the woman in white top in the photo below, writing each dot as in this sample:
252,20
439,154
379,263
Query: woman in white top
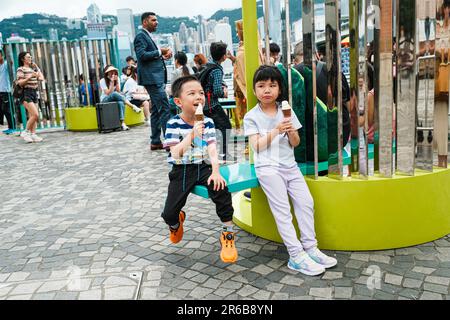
181,67
111,92
136,93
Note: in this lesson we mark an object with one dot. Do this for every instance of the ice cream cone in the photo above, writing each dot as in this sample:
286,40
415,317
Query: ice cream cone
286,108
199,116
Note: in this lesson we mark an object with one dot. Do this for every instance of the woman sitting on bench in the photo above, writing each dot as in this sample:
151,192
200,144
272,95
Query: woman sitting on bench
110,86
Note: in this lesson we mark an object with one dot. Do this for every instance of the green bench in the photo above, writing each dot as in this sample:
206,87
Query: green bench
242,176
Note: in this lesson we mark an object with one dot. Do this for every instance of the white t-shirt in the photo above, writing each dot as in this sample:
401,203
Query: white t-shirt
104,87
131,86
279,152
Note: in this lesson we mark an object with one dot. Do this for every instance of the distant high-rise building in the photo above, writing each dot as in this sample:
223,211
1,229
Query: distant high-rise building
96,31
261,30
210,26
191,45
222,32
53,34
275,21
124,46
183,31
93,14
125,22
297,31
176,42
202,29
95,27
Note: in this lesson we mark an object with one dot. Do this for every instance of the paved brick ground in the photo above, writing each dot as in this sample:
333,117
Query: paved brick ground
80,219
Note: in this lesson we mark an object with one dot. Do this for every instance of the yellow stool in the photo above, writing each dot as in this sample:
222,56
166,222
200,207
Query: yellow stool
374,214
85,118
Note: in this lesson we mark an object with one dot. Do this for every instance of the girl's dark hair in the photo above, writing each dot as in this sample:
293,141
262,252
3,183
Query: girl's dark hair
133,70
264,73
181,57
22,57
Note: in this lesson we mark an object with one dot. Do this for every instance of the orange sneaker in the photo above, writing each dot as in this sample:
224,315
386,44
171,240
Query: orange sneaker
229,252
177,235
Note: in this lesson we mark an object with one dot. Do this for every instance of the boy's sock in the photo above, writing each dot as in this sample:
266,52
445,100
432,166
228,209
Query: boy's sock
175,227
226,228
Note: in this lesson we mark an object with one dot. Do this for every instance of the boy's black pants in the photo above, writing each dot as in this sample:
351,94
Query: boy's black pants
183,179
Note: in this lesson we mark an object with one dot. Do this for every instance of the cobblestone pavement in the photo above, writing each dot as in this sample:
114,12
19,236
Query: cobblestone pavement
80,219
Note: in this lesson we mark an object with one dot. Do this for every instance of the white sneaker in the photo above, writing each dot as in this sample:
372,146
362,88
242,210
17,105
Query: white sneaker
125,127
136,108
26,136
36,138
321,258
304,264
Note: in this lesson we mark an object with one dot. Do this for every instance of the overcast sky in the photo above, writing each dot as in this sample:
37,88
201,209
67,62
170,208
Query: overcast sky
77,8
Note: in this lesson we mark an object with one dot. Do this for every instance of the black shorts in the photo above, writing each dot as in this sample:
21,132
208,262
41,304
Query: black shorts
137,103
29,95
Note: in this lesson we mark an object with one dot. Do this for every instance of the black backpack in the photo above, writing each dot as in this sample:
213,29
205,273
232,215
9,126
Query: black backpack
203,77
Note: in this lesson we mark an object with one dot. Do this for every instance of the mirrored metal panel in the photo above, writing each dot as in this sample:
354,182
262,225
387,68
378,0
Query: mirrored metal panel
334,88
309,60
374,93
384,86
441,111
406,86
266,31
286,35
362,88
426,35
354,89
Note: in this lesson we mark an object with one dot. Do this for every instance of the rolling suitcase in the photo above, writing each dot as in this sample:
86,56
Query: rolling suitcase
108,117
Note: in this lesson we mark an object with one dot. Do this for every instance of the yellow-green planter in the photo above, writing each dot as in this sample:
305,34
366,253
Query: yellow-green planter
372,214
85,118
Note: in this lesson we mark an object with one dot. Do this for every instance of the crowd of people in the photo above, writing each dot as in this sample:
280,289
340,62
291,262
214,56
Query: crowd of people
196,133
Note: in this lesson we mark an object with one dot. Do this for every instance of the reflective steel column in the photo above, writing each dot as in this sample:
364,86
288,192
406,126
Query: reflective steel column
361,94
309,60
384,86
374,97
426,25
287,58
266,31
84,63
406,86
442,81
52,91
334,88
354,87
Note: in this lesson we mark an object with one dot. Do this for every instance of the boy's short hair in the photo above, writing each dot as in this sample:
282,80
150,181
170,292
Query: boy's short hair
274,48
218,50
129,58
177,85
265,72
